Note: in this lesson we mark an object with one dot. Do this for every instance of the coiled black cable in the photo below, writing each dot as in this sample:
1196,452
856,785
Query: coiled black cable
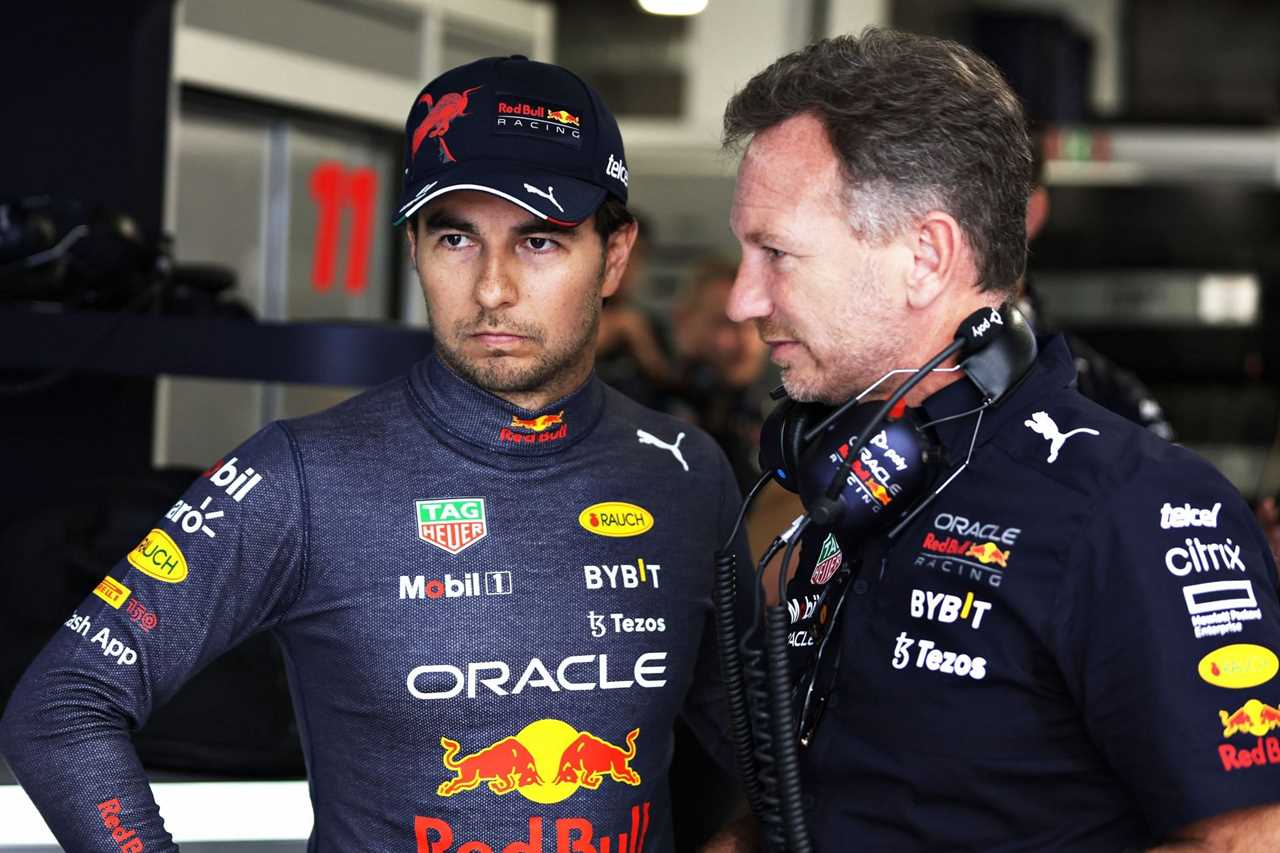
786,755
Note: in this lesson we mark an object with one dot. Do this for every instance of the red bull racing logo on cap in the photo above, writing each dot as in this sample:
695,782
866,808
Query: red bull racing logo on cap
546,762
1255,718
451,524
535,117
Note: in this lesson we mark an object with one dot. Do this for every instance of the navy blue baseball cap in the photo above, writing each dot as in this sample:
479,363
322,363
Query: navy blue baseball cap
532,133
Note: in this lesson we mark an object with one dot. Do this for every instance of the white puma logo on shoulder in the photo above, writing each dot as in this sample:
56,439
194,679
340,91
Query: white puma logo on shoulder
549,195
1041,424
650,438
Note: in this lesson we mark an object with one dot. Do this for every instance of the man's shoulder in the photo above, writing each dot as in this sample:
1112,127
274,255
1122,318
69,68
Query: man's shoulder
1076,444
629,423
366,415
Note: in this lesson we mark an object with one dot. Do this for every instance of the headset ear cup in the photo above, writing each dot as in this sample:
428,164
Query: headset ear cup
782,439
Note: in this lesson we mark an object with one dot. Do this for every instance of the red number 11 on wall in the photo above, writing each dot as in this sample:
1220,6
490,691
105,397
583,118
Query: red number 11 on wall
333,187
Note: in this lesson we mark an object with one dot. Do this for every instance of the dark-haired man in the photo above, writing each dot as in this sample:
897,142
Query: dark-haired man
1073,646
490,579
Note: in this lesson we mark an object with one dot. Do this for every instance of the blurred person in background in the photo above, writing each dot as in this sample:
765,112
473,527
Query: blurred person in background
631,353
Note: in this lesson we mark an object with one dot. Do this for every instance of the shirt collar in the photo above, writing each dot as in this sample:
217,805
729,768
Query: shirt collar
1053,368
477,417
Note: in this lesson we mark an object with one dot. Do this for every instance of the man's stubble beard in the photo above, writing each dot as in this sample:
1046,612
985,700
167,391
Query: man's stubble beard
857,352
506,375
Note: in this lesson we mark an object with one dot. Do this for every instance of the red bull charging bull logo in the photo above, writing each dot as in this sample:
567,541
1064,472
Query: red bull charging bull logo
1254,718
535,430
546,761
988,553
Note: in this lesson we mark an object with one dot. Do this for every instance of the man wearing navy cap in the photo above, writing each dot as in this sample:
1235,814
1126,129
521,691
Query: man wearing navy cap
1072,645
490,579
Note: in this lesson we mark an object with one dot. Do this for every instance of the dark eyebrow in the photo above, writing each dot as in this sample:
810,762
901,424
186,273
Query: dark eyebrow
442,220
763,238
542,226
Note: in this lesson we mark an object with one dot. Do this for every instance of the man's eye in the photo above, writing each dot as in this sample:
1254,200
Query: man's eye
774,254
541,244
455,241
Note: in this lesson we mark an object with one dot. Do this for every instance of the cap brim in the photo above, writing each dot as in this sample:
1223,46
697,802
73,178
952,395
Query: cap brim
547,195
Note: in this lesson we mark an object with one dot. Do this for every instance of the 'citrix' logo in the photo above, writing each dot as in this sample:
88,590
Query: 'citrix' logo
225,475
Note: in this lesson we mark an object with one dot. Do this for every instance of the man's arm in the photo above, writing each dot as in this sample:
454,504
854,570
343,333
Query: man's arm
219,566
1243,830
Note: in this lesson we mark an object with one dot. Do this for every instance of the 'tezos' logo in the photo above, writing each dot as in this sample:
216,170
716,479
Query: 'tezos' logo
1254,718
572,834
452,524
537,118
112,591
930,657
829,557
547,761
225,475
574,673
159,557
469,585
1188,516
109,811
1239,665
534,430
615,519
1219,607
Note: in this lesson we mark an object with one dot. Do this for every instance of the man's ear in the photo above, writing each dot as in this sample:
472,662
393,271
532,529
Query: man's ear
617,252
940,257
411,231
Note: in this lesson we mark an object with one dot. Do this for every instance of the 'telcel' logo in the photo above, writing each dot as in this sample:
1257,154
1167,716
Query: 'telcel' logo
615,519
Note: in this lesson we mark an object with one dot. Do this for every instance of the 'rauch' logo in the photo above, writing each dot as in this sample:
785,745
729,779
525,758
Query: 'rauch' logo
158,556
615,519
452,524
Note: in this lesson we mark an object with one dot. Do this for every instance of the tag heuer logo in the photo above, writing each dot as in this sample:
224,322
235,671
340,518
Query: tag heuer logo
452,524
828,561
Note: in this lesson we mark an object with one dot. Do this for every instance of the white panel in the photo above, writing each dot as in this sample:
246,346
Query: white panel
192,811
237,66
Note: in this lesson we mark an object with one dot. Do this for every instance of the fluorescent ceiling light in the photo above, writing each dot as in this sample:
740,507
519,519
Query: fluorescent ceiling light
673,7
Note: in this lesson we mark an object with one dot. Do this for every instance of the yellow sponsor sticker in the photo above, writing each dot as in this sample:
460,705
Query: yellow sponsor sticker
1239,665
112,591
158,556
616,519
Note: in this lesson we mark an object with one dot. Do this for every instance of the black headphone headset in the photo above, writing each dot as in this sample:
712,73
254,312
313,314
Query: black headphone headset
861,466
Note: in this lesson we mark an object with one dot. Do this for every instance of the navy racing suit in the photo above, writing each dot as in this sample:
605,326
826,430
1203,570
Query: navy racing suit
1073,647
490,619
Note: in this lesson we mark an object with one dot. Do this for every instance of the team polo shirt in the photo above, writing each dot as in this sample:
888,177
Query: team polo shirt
490,619
1072,648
